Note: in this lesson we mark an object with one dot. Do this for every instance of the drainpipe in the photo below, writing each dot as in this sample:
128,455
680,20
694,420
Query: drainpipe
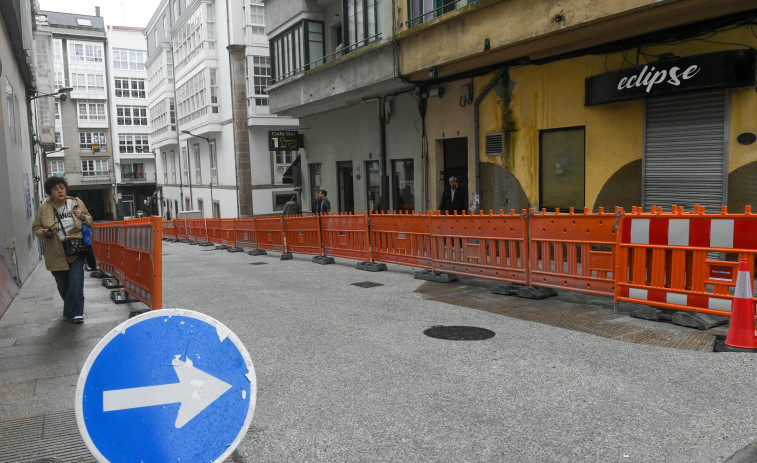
502,72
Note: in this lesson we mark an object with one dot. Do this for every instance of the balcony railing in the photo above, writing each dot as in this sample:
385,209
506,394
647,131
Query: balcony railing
426,16
326,59
95,177
139,178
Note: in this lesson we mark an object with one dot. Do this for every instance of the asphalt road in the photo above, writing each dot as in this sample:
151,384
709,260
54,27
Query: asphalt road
345,374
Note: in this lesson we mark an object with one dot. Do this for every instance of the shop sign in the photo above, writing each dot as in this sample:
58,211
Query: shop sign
732,68
284,140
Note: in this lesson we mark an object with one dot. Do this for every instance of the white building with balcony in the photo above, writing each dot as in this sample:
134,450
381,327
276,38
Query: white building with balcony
210,121
130,121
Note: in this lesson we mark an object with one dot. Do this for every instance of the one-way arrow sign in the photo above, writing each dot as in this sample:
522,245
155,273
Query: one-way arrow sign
168,385
195,391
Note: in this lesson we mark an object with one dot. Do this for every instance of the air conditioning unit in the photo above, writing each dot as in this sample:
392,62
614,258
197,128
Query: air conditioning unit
495,144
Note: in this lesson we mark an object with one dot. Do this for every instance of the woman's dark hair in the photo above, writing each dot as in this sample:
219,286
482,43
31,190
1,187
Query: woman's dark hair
52,182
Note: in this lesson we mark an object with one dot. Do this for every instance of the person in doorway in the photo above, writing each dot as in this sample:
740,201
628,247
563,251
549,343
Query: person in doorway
316,208
454,198
325,204
291,207
58,218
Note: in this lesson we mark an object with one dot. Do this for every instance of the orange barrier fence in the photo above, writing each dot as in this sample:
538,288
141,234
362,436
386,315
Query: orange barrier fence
573,251
269,232
228,233
303,234
132,252
180,226
169,231
683,261
196,230
487,245
246,236
345,235
401,238
214,231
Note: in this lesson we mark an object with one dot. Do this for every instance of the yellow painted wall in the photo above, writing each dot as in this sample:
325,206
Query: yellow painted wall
551,96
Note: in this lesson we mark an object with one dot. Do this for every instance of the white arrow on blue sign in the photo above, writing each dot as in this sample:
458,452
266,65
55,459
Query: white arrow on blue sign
168,385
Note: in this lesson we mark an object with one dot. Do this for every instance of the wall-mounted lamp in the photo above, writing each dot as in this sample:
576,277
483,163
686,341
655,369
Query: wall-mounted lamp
436,91
433,73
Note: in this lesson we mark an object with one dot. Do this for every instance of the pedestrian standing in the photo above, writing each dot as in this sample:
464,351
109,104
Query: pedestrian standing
316,208
58,218
325,204
291,207
454,198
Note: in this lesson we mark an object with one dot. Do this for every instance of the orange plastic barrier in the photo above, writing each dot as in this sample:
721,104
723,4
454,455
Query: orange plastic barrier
132,252
345,235
228,233
196,231
246,236
573,251
269,232
401,238
683,261
303,234
486,245
213,228
169,232
180,226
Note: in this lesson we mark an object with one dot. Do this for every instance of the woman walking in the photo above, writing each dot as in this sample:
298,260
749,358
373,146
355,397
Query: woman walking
58,218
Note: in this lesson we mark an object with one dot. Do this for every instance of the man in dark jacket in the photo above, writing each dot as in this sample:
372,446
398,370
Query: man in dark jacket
454,198
325,203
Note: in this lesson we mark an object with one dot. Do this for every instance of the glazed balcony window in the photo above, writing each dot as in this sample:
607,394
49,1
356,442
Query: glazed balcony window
297,49
425,10
362,26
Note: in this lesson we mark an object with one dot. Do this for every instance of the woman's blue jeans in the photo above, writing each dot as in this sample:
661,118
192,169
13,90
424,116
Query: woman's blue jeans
71,288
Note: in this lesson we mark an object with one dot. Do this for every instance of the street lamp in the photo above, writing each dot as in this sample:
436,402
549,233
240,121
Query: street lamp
62,92
212,204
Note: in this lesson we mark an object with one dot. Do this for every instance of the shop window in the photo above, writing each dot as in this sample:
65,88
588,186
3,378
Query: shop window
314,172
373,185
403,185
282,161
562,168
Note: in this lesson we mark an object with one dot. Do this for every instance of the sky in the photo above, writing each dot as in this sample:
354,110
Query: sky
133,13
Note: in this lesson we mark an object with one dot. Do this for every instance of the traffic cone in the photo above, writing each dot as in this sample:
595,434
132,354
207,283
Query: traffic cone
741,333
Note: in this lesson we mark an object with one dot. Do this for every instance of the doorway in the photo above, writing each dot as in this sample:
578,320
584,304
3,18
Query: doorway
127,206
346,188
455,162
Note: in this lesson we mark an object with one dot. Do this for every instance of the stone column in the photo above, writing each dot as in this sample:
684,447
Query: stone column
241,136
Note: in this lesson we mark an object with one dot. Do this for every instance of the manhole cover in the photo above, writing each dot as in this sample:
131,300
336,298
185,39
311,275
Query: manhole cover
367,284
459,333
258,263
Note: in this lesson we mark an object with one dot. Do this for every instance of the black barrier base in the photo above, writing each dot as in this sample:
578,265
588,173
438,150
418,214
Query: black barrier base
134,313
430,275
286,256
122,297
258,252
323,260
371,266
526,292
111,283
234,250
221,247
192,243
206,243
99,274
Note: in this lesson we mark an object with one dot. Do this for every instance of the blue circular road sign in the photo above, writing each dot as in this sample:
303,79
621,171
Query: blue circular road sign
168,385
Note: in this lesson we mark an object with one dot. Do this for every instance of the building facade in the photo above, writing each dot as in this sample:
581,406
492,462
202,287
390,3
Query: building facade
333,68
133,160
556,105
81,121
18,246
208,69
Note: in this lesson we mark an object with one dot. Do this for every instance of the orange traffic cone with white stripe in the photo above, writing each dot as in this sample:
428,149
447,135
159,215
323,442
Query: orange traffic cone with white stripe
741,333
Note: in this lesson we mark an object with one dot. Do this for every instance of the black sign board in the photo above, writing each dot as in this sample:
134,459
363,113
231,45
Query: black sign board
732,68
284,140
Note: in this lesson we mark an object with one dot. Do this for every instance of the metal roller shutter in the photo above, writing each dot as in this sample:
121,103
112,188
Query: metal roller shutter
685,151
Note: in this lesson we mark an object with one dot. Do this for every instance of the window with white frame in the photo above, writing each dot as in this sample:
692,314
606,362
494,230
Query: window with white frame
163,158
58,140
58,50
133,171
214,90
184,159
210,22
57,110
173,167
86,139
85,52
124,58
190,39
282,161
198,165
261,78
91,111
79,81
213,163
131,115
58,80
129,88
256,17
96,82
94,168
133,143
57,168
191,98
